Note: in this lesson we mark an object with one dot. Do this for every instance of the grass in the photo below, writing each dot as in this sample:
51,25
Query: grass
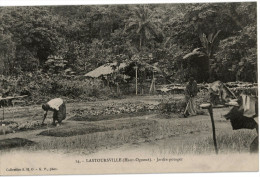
116,132
186,134
238,141
7,122
94,141
174,135
14,142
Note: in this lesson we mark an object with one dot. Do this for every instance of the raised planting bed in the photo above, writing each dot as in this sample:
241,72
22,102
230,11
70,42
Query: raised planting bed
107,117
14,142
89,128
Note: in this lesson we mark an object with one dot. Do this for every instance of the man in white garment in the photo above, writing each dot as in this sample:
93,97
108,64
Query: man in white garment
58,107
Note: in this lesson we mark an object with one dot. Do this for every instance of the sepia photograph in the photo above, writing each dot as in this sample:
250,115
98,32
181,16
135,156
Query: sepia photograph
91,89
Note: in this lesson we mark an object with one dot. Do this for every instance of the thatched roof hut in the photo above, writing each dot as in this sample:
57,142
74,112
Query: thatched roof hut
105,69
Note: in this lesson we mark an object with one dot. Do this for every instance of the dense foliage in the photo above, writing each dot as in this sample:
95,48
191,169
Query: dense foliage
86,37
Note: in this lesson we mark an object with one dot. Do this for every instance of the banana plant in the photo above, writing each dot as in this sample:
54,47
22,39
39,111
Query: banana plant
208,43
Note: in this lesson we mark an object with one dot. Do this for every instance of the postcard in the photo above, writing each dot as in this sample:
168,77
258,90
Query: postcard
128,88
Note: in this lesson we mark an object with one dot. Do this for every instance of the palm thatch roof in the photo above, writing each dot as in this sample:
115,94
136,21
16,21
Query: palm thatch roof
105,69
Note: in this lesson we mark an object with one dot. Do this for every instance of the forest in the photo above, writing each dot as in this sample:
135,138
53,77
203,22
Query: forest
210,41
52,55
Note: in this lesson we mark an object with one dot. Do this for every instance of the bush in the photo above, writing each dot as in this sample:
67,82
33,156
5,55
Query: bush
29,125
115,109
41,87
172,106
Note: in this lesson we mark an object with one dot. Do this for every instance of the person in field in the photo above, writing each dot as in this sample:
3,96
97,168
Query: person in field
58,107
219,93
191,92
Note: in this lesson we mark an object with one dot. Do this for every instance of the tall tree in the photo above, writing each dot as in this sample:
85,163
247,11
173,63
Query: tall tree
7,50
143,24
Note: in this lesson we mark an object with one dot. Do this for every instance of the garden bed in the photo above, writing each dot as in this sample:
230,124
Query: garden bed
97,127
14,142
108,117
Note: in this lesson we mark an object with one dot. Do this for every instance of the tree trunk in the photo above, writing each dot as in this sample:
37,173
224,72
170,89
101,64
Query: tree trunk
140,44
136,89
209,69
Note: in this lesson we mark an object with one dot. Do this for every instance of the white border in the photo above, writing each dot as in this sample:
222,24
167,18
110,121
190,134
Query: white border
95,2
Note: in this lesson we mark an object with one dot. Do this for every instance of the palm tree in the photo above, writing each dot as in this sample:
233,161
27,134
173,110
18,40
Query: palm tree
143,23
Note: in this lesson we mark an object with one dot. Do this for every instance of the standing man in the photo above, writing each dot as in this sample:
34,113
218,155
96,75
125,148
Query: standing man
58,107
191,92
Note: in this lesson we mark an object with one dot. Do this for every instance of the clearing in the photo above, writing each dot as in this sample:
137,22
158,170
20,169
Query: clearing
123,125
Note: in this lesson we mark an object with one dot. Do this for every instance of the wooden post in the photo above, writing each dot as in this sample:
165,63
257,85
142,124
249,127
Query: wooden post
3,112
210,109
213,128
153,83
117,88
152,87
136,89
3,125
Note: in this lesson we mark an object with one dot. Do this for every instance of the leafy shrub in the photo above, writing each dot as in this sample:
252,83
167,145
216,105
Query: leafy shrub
203,96
7,127
172,106
41,87
29,125
116,109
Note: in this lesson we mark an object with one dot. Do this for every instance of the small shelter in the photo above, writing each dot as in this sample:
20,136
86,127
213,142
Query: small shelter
127,70
140,70
106,69
107,73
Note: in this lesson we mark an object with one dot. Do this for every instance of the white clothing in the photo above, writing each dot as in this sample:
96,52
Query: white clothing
249,105
55,103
